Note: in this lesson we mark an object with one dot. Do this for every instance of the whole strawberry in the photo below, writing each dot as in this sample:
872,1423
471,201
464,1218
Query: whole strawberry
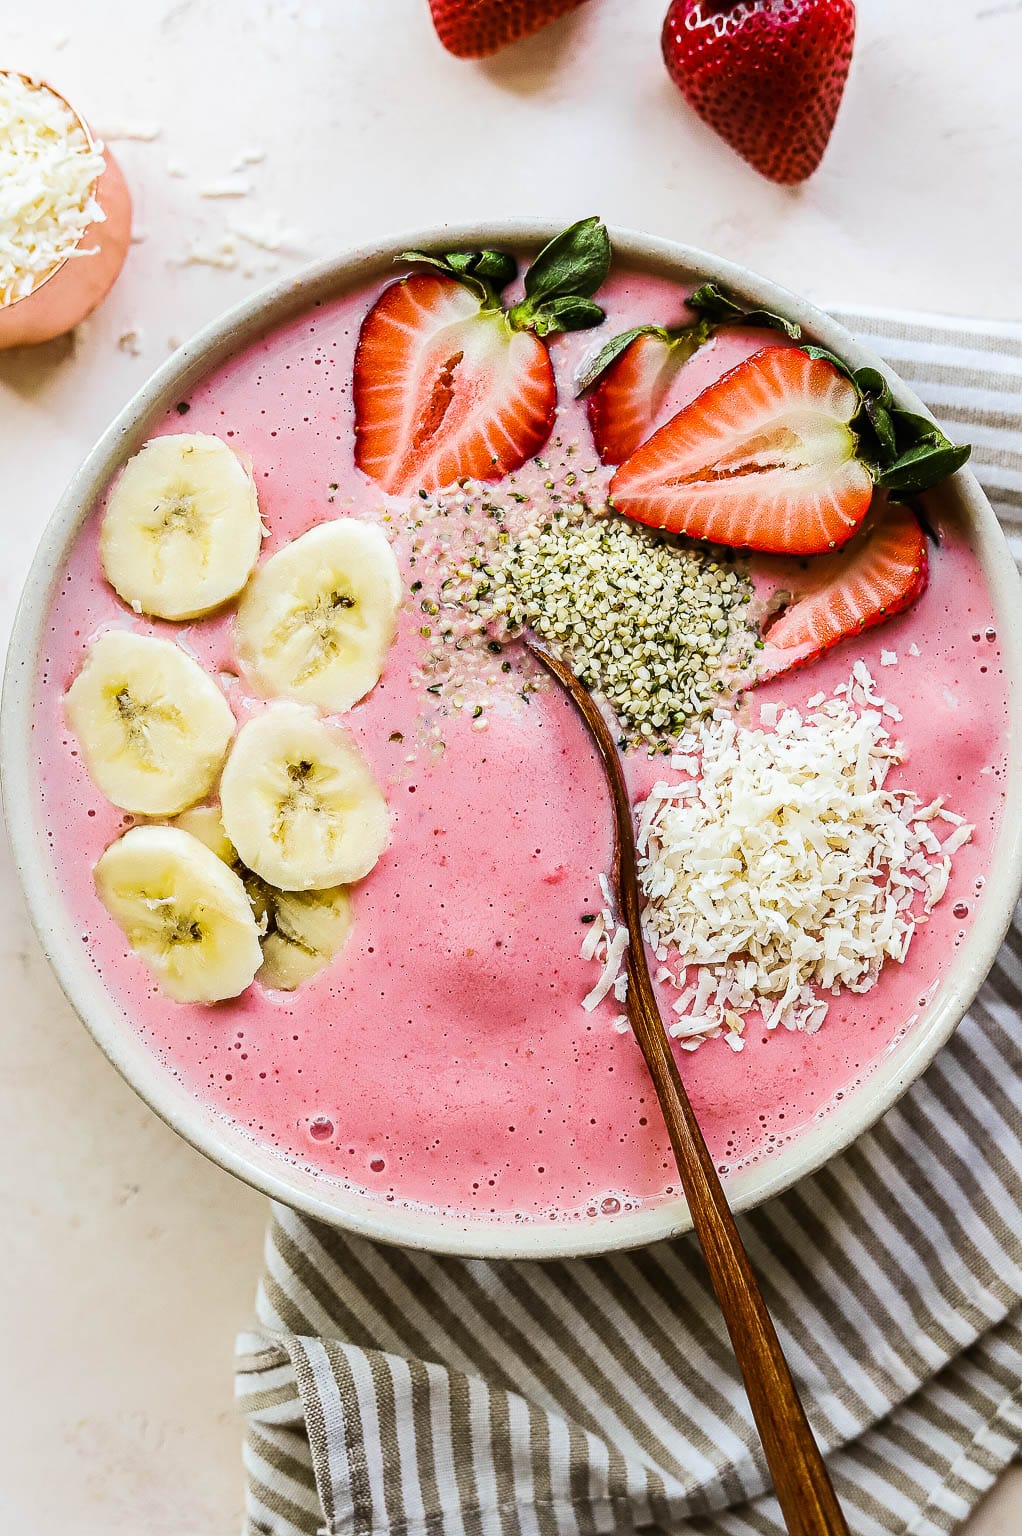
472,29
767,75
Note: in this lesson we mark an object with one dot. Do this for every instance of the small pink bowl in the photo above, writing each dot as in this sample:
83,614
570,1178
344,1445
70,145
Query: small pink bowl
77,284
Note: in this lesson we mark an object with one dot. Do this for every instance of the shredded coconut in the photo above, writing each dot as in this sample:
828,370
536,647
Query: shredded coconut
48,174
224,255
615,953
606,940
269,234
119,128
229,186
783,870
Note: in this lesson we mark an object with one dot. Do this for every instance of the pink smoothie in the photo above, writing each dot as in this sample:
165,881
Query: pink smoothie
444,1058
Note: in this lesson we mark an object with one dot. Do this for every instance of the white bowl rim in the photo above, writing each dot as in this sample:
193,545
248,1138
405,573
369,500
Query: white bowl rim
231,1146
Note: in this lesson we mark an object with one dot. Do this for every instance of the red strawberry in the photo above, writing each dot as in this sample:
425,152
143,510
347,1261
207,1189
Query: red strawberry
444,391
881,572
447,383
630,381
624,404
763,459
474,28
767,75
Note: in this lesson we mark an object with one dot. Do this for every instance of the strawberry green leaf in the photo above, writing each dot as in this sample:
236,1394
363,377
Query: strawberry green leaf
575,262
905,453
485,273
879,418
716,305
557,285
914,429
922,467
611,351
715,308
875,414
872,382
498,268
569,313
828,357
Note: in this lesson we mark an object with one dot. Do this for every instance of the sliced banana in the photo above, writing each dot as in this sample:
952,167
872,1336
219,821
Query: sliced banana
307,928
300,931
318,617
183,911
203,822
153,727
299,801
181,531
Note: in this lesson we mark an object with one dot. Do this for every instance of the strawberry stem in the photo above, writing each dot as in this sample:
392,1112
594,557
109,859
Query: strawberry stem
558,286
714,306
906,454
484,273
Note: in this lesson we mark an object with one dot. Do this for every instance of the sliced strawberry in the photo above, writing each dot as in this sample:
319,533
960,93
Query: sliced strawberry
448,384
445,390
763,459
881,572
626,400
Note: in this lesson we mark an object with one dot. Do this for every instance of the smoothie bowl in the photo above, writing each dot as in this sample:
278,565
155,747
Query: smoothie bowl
318,852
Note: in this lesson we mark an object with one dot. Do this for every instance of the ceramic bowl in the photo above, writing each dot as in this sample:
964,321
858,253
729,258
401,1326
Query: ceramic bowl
78,283
230,1145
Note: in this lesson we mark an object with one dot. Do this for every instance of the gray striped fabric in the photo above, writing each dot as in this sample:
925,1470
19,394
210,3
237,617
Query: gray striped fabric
389,1391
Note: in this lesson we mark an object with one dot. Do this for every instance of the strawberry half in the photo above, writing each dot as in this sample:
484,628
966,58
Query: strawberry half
450,385
630,380
767,77
472,29
443,391
624,404
881,572
763,459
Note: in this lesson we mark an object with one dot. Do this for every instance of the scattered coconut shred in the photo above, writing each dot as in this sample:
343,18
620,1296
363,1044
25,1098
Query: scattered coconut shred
48,174
781,868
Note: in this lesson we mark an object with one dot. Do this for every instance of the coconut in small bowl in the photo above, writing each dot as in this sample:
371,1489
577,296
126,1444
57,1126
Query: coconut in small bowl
65,214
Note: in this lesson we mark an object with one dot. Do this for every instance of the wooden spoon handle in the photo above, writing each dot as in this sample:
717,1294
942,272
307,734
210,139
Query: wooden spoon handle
801,1481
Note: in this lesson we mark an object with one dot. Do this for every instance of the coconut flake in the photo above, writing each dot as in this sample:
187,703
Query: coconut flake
959,837
591,942
611,967
229,186
48,176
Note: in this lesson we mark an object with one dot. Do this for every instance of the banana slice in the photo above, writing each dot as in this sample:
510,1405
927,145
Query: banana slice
307,928
203,822
183,911
300,931
181,531
299,801
318,618
153,727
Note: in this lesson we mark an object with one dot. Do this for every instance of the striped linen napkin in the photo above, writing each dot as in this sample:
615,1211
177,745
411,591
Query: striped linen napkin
392,1391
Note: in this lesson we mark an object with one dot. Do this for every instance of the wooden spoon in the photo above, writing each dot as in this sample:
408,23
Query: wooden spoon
801,1481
